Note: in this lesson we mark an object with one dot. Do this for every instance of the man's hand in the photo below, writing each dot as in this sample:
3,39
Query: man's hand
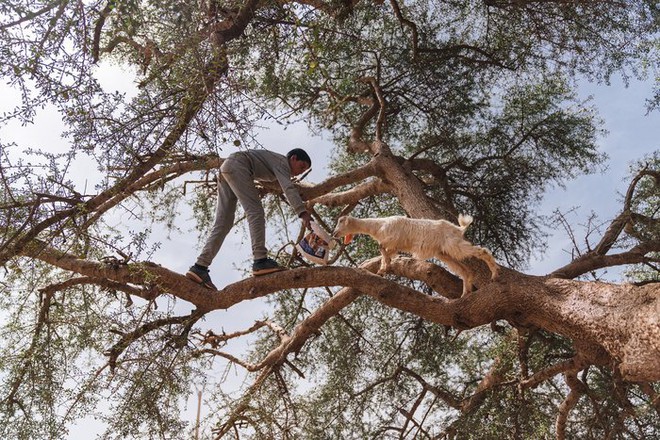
306,219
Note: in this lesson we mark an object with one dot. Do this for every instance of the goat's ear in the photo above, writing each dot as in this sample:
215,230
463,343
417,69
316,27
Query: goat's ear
348,238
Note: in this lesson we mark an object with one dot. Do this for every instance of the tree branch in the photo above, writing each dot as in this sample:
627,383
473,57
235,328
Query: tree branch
312,193
575,364
96,40
31,15
128,338
354,195
382,107
521,299
597,258
577,388
197,93
168,172
356,143
493,378
436,277
148,293
411,25
593,261
616,227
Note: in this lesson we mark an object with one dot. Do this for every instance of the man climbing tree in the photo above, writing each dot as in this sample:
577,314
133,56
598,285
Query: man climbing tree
237,184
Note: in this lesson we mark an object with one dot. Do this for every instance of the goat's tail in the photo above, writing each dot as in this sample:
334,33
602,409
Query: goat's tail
464,221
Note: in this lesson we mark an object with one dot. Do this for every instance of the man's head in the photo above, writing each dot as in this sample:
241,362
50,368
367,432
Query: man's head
299,161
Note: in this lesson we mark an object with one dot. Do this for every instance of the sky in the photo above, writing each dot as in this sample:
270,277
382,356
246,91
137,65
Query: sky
632,134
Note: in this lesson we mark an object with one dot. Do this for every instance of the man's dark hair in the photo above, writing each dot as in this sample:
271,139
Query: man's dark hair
300,155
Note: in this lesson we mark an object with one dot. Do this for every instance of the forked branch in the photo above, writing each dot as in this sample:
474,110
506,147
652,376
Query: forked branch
128,338
577,388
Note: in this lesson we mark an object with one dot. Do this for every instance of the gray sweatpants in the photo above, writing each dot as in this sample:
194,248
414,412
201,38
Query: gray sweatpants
237,183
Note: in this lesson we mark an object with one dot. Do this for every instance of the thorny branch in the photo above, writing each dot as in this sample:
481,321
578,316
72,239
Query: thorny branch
128,338
215,341
573,364
147,293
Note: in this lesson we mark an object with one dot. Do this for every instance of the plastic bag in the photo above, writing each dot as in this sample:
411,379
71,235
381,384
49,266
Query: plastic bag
316,245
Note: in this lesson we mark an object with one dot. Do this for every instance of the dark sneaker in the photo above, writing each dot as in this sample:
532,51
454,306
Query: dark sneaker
264,266
201,276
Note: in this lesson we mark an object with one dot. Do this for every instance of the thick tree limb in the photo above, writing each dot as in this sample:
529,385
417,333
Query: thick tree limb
580,311
624,320
436,277
323,189
354,195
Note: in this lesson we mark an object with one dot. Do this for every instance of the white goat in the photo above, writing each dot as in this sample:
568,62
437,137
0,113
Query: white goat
423,238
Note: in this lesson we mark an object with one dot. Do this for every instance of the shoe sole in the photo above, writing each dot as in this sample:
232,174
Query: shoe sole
260,272
194,277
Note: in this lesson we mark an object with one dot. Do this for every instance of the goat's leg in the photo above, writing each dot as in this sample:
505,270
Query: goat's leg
484,255
386,257
461,270
465,250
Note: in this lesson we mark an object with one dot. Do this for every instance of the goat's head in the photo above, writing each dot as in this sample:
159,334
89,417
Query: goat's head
343,229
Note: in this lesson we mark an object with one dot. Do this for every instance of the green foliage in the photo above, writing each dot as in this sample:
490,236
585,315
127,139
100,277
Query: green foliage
482,89
49,343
